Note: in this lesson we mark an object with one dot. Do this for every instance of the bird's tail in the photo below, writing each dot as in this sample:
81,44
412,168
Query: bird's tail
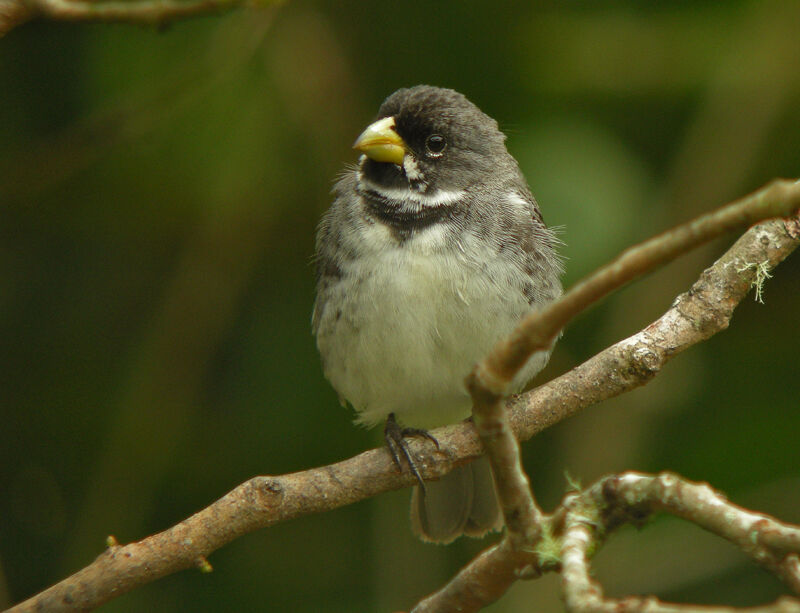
461,502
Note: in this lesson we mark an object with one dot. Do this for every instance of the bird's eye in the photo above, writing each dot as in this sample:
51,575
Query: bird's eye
435,144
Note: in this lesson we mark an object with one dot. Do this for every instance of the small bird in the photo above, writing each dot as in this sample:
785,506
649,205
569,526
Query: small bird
432,251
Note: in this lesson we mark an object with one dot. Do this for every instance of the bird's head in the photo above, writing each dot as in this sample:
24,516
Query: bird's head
429,139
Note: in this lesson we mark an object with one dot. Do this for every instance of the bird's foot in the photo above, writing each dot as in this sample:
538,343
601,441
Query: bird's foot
395,436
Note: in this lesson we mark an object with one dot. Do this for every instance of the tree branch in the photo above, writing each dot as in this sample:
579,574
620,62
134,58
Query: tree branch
156,12
769,542
696,315
484,580
264,501
591,515
538,330
584,520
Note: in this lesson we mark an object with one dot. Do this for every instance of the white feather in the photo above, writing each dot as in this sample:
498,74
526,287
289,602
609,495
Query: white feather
406,198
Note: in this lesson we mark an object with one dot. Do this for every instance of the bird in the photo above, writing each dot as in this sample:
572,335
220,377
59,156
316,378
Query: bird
431,252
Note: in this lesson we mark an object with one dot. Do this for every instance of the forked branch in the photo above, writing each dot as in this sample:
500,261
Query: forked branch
706,309
264,501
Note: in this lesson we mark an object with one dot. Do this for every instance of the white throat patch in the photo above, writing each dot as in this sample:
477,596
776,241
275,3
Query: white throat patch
407,198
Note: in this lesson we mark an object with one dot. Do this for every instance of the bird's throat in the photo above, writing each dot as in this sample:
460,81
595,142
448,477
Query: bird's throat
406,211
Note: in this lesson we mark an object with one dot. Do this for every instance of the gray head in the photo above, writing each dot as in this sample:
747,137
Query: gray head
430,138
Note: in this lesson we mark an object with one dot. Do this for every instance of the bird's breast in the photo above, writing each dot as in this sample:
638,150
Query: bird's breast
406,321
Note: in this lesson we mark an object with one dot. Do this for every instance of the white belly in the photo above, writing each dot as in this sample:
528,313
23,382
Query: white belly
404,326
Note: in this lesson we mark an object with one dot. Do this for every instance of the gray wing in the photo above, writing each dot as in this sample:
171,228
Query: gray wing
329,252
539,258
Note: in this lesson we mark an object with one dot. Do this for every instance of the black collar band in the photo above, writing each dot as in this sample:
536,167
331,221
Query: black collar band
392,212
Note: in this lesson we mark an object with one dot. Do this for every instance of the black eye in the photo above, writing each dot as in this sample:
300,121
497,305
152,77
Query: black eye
435,144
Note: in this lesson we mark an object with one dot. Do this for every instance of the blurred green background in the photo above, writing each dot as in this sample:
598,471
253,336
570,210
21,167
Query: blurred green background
159,193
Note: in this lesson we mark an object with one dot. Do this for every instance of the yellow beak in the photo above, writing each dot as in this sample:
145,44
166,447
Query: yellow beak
381,142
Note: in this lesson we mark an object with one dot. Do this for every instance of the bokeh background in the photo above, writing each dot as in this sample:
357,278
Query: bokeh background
159,192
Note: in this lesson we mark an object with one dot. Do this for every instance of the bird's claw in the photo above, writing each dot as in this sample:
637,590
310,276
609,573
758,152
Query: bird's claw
395,437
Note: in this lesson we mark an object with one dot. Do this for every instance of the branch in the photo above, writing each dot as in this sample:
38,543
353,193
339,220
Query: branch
769,542
157,12
484,580
264,501
584,520
695,316
538,330
591,515
488,383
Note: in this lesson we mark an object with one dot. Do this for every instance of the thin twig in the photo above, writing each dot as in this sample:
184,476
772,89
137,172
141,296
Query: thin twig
521,514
